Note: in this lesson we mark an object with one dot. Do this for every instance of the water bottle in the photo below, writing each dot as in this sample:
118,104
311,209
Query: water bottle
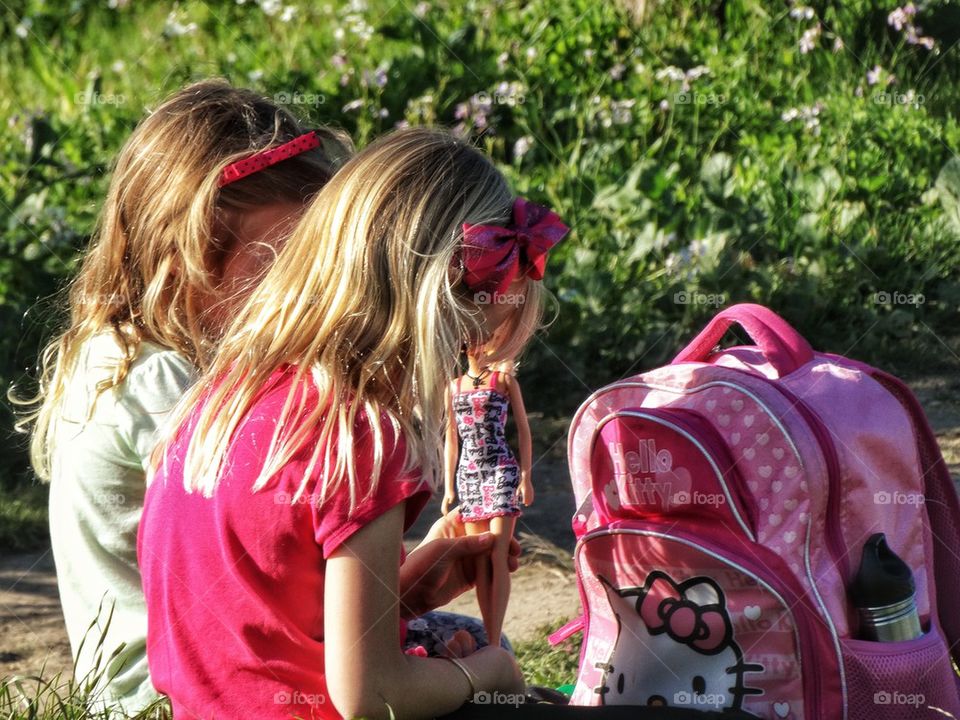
883,593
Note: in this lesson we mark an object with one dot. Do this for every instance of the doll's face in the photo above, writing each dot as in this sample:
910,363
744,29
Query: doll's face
498,307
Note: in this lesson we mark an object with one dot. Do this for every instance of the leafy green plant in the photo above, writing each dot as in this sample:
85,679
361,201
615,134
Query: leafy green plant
798,156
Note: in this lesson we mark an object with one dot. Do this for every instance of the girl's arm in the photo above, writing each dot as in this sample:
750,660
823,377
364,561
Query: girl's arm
451,449
523,435
366,670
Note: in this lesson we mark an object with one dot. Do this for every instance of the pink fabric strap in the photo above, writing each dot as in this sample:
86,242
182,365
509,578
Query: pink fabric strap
265,158
783,347
562,633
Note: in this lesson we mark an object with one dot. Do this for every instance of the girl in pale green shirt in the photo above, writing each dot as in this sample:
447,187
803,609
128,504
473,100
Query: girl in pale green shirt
179,241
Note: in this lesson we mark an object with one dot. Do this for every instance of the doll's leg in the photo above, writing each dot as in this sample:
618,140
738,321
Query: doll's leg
502,529
483,571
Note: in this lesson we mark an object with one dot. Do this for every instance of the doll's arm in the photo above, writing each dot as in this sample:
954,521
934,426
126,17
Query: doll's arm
523,435
451,450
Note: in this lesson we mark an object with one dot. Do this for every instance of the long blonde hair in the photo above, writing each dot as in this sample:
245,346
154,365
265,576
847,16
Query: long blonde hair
150,257
366,301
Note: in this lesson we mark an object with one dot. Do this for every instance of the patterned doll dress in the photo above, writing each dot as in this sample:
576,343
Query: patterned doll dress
488,475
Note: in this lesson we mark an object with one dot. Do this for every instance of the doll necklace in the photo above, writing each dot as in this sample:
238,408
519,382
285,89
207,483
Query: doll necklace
479,378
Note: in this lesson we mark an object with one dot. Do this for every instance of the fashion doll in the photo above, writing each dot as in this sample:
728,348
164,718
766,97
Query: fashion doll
504,266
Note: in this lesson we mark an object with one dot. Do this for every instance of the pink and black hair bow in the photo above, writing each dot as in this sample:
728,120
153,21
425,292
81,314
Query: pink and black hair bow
493,255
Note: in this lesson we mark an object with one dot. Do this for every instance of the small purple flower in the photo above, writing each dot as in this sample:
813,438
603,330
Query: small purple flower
902,16
914,39
901,20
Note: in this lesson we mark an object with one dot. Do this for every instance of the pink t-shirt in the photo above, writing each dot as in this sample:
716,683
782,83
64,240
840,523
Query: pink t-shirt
234,583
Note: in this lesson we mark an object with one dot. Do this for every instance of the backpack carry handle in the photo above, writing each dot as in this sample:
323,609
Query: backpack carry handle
783,347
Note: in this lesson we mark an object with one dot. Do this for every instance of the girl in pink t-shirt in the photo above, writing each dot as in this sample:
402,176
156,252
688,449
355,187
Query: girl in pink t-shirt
271,539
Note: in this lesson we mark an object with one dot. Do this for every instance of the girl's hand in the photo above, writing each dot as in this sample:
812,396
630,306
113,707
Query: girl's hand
443,566
448,500
525,493
495,669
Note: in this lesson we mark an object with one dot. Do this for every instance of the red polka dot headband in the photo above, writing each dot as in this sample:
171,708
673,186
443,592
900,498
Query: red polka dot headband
265,158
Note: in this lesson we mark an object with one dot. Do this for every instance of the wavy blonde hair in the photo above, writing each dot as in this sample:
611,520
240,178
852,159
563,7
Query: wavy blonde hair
160,230
366,300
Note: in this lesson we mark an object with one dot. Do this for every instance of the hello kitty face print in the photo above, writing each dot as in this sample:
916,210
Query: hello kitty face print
675,647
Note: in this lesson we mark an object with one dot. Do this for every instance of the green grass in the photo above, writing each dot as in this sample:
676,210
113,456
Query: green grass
547,666
23,518
45,698
60,698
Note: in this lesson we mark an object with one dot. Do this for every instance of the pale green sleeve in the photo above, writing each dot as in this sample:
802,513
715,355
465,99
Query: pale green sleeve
156,382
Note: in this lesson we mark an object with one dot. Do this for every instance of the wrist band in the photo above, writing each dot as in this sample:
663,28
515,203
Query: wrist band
466,674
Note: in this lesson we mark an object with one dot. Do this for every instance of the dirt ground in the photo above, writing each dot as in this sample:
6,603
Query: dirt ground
543,594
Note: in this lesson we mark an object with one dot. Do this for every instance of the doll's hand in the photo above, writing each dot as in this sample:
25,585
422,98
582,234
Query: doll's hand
525,493
448,500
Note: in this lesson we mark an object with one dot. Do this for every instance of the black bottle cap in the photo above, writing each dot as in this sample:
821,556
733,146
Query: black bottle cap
883,578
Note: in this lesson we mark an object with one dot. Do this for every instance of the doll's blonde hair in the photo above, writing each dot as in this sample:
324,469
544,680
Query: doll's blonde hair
156,236
366,300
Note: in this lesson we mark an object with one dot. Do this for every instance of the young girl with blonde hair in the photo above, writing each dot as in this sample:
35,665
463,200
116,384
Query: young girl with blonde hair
201,193
276,579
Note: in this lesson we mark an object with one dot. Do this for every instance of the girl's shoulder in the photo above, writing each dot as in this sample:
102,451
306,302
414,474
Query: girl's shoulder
156,365
102,354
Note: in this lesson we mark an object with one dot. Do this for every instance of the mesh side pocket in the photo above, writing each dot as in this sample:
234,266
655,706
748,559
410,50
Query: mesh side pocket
891,681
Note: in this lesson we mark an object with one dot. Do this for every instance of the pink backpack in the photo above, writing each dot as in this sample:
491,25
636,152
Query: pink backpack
722,505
